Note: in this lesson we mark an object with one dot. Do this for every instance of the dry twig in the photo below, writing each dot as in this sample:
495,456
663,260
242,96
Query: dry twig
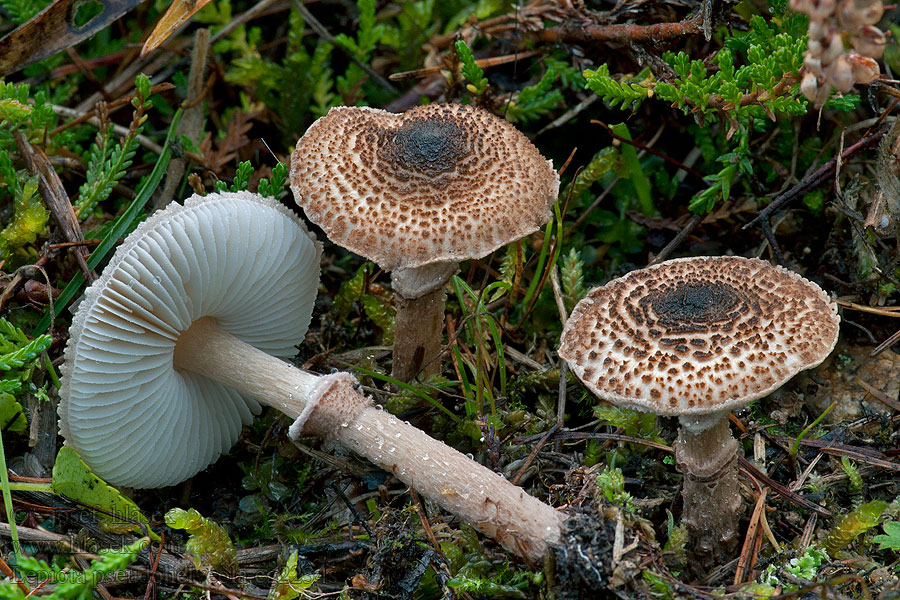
626,34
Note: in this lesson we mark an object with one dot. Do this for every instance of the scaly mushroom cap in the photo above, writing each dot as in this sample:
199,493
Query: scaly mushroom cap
237,257
439,183
693,336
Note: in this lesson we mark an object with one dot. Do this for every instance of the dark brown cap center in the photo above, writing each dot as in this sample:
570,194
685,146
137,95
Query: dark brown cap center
694,302
426,147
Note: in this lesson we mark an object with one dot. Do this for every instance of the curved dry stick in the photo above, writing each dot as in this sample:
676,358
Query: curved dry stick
627,33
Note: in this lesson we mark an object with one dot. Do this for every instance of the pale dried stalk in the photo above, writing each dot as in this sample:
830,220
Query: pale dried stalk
329,406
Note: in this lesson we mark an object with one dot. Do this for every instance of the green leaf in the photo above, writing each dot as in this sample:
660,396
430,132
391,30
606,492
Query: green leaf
635,423
11,416
635,172
73,478
8,385
508,268
855,479
612,483
534,101
209,544
720,186
21,356
22,10
108,161
13,110
890,540
768,54
29,216
844,103
142,85
369,34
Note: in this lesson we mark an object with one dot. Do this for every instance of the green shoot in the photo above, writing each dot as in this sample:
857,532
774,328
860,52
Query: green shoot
612,483
108,161
272,188
473,73
855,479
209,544
290,585
572,279
854,524
795,447
602,163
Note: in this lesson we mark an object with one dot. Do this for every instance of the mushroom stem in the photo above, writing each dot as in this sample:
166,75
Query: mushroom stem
419,324
418,328
329,406
712,502
206,348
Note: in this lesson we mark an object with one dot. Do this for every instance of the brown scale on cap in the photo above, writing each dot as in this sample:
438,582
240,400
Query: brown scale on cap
698,335
442,182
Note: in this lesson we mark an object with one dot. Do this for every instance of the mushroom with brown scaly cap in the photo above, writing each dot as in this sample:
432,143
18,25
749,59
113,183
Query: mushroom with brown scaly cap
171,352
696,338
417,193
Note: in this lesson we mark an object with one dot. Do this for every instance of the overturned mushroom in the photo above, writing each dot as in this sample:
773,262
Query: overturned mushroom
696,338
417,193
171,352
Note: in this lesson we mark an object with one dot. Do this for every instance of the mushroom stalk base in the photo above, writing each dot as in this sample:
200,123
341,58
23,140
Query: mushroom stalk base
330,406
711,491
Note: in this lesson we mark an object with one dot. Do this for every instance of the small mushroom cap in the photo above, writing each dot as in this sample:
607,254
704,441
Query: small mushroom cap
438,183
237,257
693,336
